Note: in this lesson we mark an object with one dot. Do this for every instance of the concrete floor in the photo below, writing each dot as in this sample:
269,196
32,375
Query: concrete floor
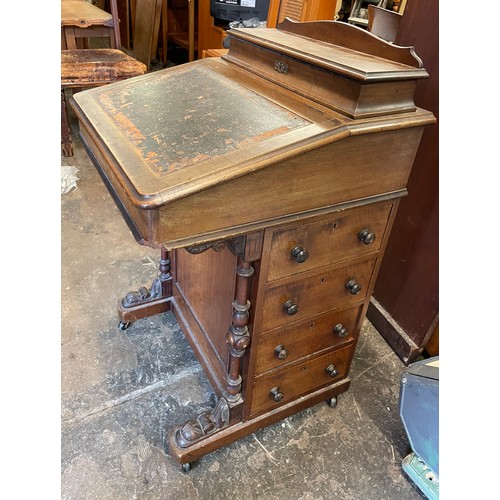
122,390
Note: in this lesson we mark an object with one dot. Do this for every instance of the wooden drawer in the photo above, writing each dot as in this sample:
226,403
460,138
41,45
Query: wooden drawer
347,93
287,301
334,238
286,345
298,380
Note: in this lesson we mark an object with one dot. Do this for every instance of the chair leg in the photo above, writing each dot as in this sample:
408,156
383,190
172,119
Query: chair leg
67,146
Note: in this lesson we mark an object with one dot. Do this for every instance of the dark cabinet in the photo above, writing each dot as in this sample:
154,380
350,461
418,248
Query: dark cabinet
405,303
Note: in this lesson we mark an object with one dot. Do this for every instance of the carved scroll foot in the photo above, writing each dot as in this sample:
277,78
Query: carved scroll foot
203,426
143,295
146,302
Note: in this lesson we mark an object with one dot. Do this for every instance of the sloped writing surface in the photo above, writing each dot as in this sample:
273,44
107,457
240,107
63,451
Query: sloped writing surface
179,119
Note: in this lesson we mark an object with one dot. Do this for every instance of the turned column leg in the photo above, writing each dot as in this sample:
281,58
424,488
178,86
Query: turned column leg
146,302
187,441
238,336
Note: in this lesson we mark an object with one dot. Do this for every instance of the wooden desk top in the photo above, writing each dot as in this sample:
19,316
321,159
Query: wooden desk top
214,123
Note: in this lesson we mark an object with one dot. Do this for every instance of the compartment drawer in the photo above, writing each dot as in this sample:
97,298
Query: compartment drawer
344,235
314,294
285,345
346,93
282,386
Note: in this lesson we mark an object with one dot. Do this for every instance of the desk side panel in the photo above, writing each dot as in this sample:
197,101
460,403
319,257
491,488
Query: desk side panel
204,290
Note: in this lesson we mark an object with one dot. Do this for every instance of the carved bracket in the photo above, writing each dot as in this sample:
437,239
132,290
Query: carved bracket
235,245
143,294
161,286
204,425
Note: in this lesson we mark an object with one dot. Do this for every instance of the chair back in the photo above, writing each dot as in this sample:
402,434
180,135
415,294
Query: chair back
81,20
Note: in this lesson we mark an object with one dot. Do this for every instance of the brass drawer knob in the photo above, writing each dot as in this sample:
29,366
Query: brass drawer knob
299,254
276,394
353,286
290,308
340,330
331,370
281,352
366,236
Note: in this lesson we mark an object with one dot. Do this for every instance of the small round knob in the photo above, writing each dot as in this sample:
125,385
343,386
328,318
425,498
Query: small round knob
340,330
281,352
299,254
353,286
276,394
366,236
331,370
290,307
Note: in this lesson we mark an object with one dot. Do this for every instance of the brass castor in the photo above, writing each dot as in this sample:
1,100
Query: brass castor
123,325
332,402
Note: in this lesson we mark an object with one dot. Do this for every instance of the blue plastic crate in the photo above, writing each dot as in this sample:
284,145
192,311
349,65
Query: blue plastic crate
419,411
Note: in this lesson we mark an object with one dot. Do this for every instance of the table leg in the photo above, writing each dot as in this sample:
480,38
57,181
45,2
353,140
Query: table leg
67,146
238,336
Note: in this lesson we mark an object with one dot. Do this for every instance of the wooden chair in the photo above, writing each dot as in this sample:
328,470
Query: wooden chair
90,67
81,20
383,23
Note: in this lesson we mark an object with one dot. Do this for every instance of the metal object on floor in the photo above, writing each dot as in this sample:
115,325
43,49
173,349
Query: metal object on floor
422,476
419,411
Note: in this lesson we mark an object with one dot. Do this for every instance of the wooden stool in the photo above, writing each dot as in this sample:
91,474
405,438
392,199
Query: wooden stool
86,68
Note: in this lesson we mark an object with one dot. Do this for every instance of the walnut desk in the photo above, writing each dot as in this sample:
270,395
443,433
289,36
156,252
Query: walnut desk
269,179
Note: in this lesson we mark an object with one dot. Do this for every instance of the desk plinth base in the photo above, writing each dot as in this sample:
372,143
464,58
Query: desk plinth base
231,432
128,315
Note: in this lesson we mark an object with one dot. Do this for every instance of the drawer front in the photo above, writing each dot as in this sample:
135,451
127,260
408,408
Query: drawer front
282,386
316,83
314,294
344,235
285,345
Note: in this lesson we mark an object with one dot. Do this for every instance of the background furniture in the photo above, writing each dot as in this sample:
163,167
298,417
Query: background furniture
126,14
301,10
146,30
359,11
81,20
90,67
383,23
176,29
269,281
211,36
405,304
189,25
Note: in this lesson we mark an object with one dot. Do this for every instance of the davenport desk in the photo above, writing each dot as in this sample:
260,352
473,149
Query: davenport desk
269,180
